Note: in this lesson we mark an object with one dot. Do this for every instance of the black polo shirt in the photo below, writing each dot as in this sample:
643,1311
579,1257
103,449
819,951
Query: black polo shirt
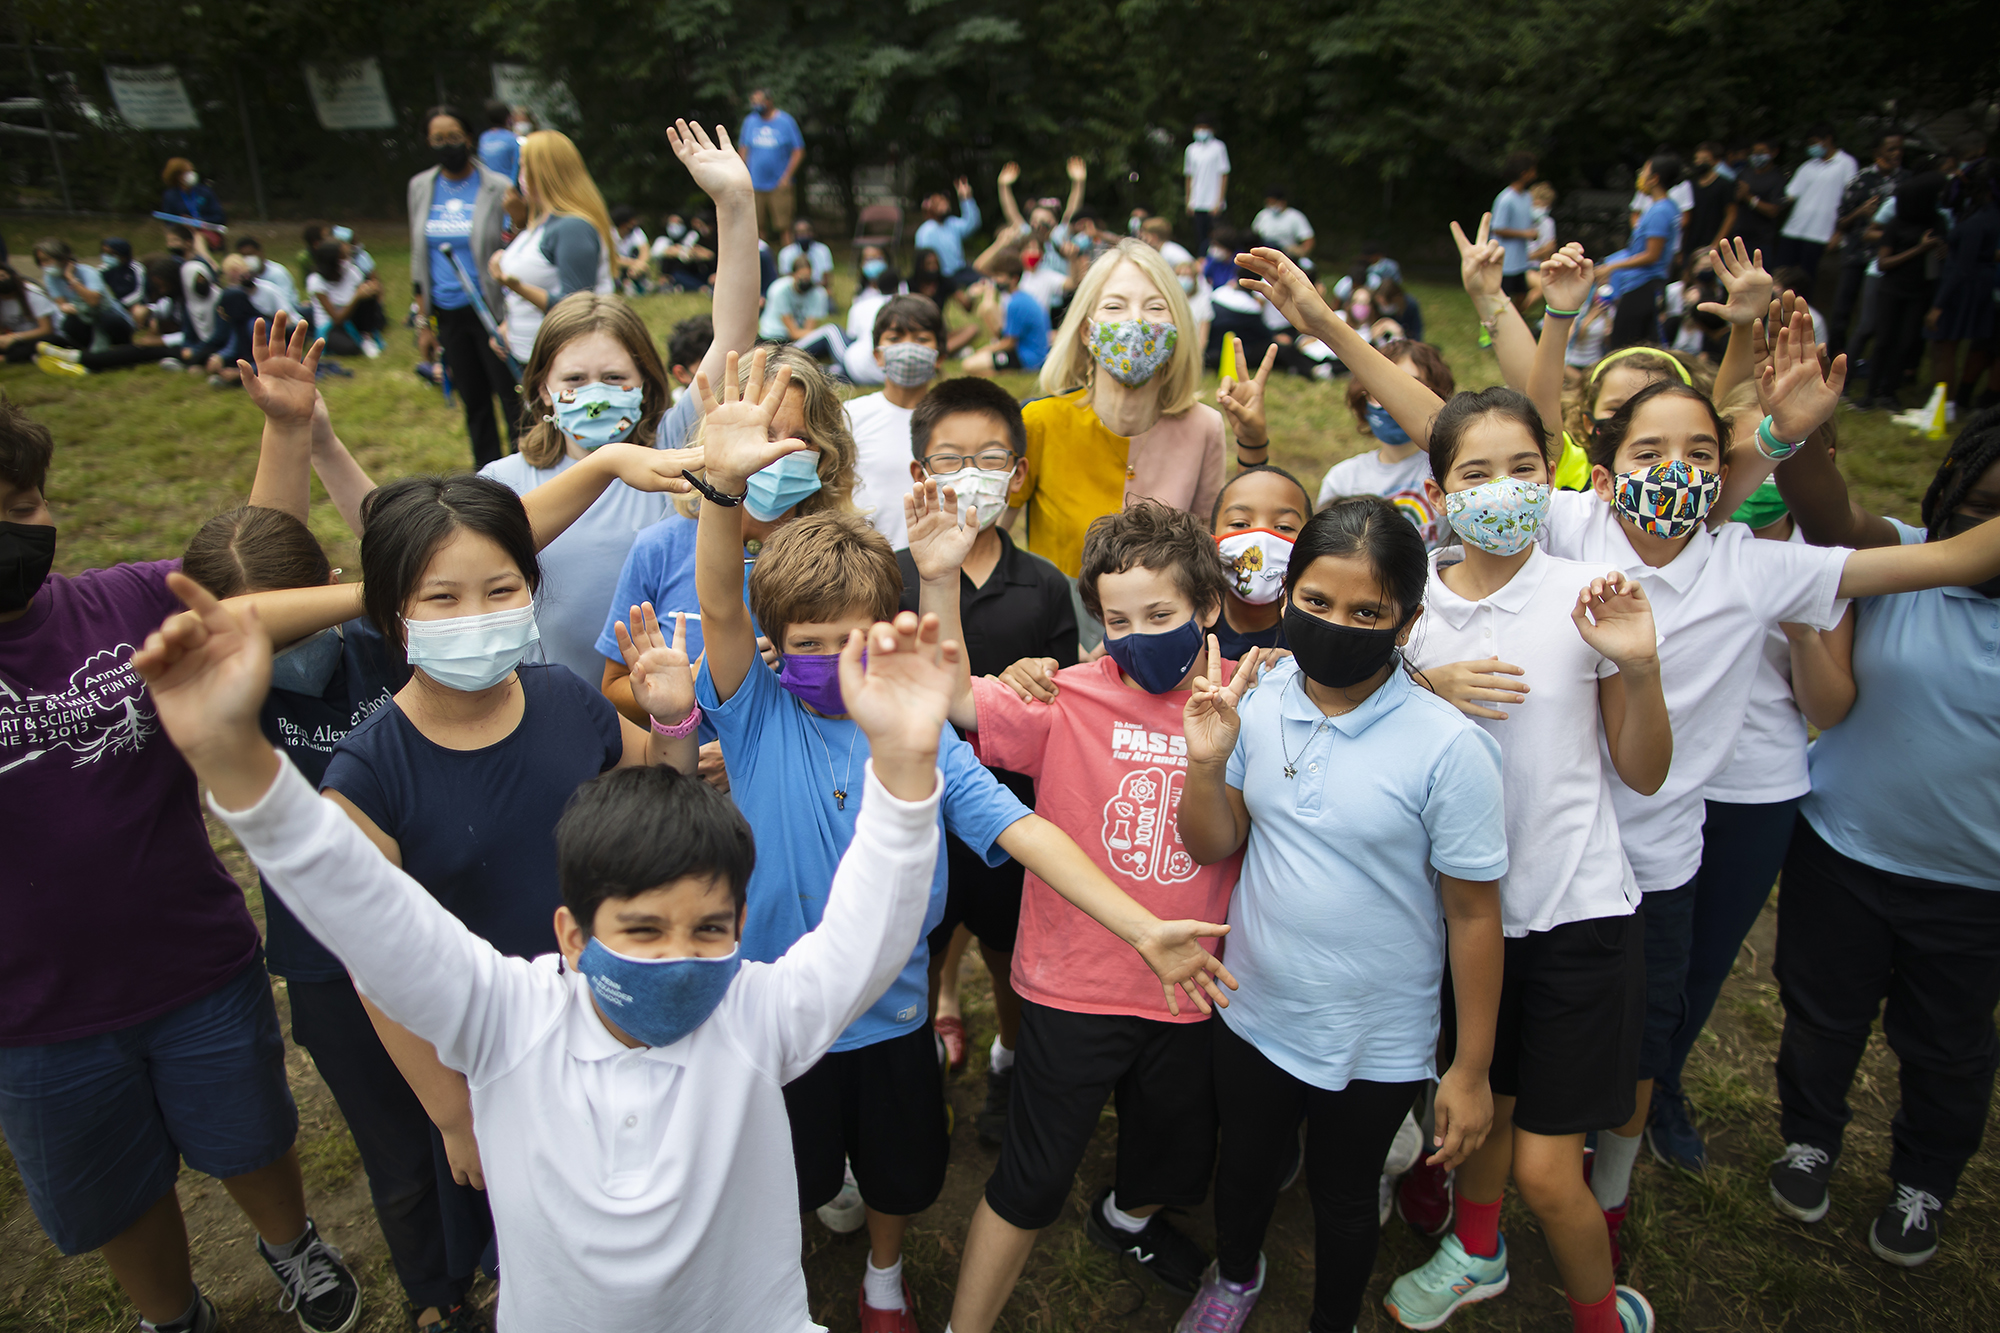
1022,610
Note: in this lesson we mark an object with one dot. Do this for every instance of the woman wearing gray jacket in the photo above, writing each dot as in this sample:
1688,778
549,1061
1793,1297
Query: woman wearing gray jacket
460,202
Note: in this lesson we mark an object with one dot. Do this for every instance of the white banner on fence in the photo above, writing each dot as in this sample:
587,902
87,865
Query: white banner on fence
351,96
547,100
151,97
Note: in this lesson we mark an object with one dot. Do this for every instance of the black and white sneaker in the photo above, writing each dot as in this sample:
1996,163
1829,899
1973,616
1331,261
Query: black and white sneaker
1174,1261
205,1320
1905,1232
1798,1182
991,1122
317,1284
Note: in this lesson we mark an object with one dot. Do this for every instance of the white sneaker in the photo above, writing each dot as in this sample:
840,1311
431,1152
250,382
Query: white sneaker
1406,1147
846,1213
371,346
1385,1200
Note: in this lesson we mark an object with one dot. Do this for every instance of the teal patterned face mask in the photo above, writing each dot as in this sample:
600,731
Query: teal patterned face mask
1132,350
1500,516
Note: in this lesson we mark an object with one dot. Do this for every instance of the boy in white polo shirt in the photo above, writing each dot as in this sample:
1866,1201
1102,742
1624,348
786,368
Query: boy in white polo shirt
629,1093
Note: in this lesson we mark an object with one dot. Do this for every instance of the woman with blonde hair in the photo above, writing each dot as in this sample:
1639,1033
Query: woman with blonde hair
1122,422
565,246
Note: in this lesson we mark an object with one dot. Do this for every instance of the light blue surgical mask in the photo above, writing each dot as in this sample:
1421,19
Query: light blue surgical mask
308,665
597,414
656,1000
471,653
780,486
874,268
1815,150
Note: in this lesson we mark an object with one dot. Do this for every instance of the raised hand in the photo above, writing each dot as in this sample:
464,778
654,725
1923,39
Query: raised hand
1285,285
900,698
940,539
1078,169
1209,717
1009,174
1791,389
1472,686
1743,277
1033,678
963,186
1479,259
1173,950
647,469
1614,617
283,383
716,167
1242,401
736,422
662,679
208,673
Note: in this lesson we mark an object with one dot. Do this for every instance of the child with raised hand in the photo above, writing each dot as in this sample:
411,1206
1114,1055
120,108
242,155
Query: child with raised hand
1257,518
1397,468
1353,899
630,1087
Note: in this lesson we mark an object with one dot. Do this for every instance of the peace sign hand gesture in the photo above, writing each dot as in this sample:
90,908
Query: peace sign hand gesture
1210,718
1479,259
662,678
1242,401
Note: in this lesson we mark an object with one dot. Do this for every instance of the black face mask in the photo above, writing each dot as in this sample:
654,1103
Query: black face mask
452,156
1337,656
1957,524
27,553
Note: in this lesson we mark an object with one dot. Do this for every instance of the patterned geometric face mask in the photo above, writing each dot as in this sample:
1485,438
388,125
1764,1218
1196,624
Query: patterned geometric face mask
1132,350
1667,499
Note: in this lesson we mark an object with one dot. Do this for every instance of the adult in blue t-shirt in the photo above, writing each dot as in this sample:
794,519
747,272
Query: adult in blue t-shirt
499,146
1023,341
1638,273
771,143
1514,223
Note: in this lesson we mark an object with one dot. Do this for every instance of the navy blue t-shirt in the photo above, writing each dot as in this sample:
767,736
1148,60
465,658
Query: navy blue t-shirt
477,827
366,673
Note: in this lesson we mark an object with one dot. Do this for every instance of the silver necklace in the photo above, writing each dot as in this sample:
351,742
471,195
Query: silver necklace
1291,760
840,787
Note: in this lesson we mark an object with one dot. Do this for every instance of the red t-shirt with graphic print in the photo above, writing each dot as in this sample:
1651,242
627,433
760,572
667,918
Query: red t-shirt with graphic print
1109,762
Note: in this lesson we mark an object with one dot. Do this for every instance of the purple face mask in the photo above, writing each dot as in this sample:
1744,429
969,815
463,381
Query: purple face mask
814,678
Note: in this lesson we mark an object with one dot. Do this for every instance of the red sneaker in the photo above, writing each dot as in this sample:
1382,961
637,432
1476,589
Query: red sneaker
1423,1199
889,1321
951,1031
1614,1218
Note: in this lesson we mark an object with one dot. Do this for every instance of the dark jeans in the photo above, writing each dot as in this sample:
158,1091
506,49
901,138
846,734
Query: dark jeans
81,331
391,1132
479,375
1795,252
1899,327
1847,309
1348,1135
1203,223
1742,847
1853,939
1637,319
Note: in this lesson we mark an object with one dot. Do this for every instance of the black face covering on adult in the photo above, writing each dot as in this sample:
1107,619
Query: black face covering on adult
1337,656
1958,523
27,553
452,156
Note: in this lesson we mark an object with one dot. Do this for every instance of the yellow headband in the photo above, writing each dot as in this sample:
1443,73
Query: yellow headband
1624,352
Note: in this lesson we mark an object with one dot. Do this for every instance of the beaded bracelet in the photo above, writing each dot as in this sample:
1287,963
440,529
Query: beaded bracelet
683,728
1771,446
1554,313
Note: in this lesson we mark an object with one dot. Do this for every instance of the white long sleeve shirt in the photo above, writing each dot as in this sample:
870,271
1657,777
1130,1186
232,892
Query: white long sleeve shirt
633,1189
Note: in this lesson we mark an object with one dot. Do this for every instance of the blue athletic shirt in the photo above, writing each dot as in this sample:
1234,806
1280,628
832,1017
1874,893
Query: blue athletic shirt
1336,928
501,152
1906,782
1028,325
451,220
477,827
1663,220
769,144
784,765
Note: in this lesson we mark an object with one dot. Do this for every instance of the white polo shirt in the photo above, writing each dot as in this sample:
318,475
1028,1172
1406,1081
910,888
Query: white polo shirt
1713,604
1815,190
1564,859
1770,760
882,461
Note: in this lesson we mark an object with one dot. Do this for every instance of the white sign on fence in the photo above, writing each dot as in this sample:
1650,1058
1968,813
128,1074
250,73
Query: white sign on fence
351,96
151,97
547,100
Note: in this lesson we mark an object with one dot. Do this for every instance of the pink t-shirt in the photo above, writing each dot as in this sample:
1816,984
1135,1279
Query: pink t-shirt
1109,761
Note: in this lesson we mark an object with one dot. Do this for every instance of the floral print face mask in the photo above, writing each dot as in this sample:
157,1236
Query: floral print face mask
1132,350
1500,516
1667,499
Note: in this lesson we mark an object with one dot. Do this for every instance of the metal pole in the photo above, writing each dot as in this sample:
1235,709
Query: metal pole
249,145
42,96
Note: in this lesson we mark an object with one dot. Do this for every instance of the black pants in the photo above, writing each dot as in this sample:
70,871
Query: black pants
1846,303
1797,252
1348,1134
390,1130
1203,223
478,375
1899,327
81,331
1245,325
1852,939
1637,318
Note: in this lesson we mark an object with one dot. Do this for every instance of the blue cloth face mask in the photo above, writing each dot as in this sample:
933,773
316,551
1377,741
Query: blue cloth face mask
597,414
780,486
1157,661
1384,427
1501,516
471,652
1815,150
656,1000
308,665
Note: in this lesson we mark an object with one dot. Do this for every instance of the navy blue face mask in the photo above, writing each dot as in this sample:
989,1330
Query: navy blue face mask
1157,661
657,1000
1384,427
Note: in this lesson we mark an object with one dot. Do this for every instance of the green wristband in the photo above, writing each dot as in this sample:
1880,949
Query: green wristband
1771,446
1553,313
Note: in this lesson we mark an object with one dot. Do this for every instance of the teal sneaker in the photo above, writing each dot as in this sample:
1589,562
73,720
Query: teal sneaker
1425,1297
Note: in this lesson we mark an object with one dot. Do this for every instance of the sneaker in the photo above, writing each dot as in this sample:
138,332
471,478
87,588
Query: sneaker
847,1213
1635,1312
1905,1232
889,1321
1671,1134
1298,1163
1385,1200
1172,1259
1221,1306
992,1119
1405,1148
1614,1219
1424,1199
951,1031
1425,1297
458,1319
317,1284
58,351
371,346
60,367
205,1318
173,363
1798,1181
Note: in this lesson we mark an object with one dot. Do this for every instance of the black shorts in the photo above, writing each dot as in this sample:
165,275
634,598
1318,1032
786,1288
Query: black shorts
880,1107
985,899
1514,284
1067,1065
1007,359
1572,1011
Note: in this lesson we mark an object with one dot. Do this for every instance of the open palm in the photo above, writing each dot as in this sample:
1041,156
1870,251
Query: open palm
283,381
1743,277
940,539
901,694
1285,285
1791,387
736,420
715,166
662,679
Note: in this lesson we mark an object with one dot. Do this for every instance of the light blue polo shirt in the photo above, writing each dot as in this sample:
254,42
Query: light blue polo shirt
1337,932
1909,780
784,766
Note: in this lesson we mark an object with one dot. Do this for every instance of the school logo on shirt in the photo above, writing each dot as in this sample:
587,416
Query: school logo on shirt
452,217
1131,741
1141,836
102,713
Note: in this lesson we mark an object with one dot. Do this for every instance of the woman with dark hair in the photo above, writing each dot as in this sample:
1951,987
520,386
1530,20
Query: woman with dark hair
1962,310
1908,237
347,305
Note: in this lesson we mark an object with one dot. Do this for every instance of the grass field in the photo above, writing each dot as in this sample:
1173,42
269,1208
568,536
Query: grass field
144,456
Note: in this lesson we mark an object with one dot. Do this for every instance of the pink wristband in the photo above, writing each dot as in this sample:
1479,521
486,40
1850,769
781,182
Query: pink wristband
681,729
